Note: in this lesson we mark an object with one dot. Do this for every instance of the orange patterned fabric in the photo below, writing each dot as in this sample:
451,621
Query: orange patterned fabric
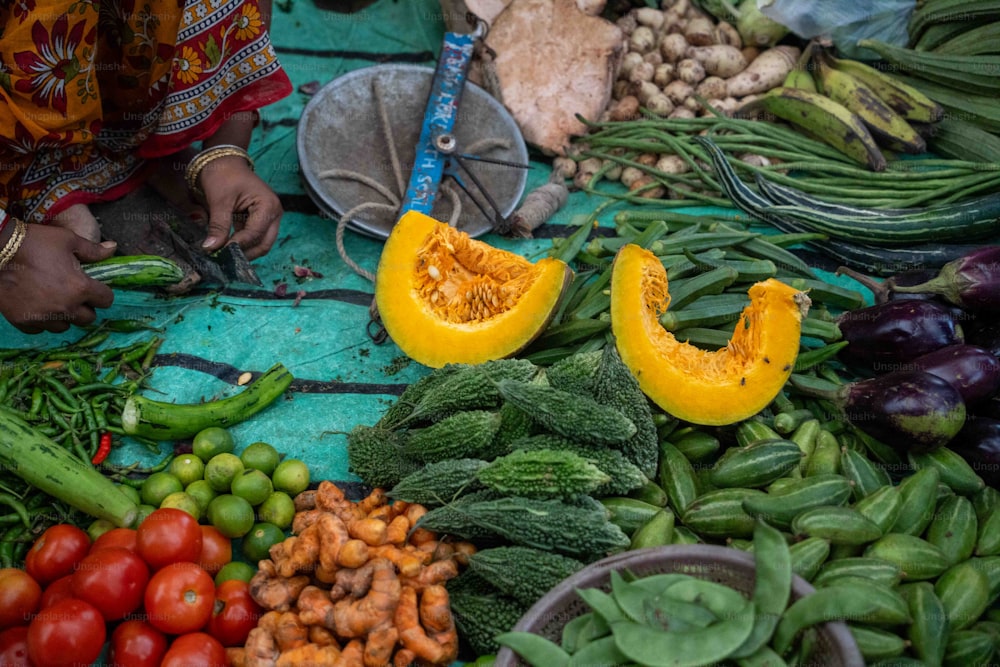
91,88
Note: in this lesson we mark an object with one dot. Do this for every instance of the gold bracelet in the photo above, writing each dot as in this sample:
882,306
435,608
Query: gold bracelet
201,160
14,242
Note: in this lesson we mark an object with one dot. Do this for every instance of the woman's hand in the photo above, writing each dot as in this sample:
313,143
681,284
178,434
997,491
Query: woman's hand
239,200
43,287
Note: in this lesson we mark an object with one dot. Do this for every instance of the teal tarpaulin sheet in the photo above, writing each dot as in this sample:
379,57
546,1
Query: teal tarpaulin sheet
210,337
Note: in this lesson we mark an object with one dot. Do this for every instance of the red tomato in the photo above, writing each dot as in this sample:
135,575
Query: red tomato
20,596
116,537
195,648
14,647
235,613
55,552
113,580
180,598
136,643
168,535
60,589
70,632
216,549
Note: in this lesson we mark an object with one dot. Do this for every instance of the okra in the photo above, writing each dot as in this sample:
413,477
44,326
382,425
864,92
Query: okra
706,312
684,291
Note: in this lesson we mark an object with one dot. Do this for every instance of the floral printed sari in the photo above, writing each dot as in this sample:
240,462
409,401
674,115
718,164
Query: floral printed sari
91,89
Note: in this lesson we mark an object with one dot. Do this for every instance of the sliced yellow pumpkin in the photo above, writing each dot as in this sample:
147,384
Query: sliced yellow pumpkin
445,297
699,386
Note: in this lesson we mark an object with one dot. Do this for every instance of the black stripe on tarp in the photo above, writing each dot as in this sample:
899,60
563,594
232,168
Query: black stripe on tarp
231,374
354,297
402,57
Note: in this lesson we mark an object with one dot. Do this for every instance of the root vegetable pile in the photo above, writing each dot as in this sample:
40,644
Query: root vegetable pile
680,54
355,584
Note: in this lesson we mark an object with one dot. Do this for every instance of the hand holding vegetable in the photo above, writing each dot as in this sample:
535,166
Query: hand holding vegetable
43,288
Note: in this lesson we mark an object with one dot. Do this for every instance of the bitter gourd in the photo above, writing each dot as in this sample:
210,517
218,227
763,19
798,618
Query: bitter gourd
515,424
467,434
552,525
472,387
575,373
414,392
616,387
543,473
523,573
481,612
439,483
572,415
624,475
375,455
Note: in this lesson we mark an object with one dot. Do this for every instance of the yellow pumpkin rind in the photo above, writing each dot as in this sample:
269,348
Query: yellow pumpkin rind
425,336
711,388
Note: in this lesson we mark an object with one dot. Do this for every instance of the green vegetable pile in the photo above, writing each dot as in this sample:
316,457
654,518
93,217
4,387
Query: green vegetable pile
711,261
73,395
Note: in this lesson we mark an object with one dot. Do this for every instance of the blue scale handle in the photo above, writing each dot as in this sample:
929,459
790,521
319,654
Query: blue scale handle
439,119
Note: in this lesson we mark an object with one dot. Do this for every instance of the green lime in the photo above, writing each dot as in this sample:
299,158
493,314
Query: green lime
144,511
211,441
182,501
232,515
187,468
202,492
258,542
279,509
131,492
260,456
235,569
98,527
291,476
221,470
253,486
158,486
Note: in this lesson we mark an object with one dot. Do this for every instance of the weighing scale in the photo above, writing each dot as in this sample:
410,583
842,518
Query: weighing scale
442,131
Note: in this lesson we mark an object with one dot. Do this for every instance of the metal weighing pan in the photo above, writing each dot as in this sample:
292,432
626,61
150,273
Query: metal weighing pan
340,129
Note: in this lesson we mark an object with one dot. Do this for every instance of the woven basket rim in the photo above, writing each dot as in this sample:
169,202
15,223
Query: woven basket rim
598,572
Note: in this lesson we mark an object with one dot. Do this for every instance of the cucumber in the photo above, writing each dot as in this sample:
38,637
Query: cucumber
159,420
49,467
135,271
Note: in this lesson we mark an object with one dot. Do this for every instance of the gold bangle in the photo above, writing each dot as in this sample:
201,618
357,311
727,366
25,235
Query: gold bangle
201,160
13,243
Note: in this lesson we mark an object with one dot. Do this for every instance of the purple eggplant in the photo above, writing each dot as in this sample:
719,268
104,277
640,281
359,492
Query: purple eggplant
985,334
882,291
979,443
975,372
883,337
907,410
971,282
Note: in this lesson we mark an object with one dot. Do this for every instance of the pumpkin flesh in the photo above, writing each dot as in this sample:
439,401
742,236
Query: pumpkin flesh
445,297
706,387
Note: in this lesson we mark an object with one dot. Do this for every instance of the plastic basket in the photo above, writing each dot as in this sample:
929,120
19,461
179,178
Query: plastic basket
835,645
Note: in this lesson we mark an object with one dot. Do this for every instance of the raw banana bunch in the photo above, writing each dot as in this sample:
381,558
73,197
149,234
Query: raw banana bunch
851,106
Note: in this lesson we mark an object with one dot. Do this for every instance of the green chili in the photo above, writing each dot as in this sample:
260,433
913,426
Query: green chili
15,504
36,402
